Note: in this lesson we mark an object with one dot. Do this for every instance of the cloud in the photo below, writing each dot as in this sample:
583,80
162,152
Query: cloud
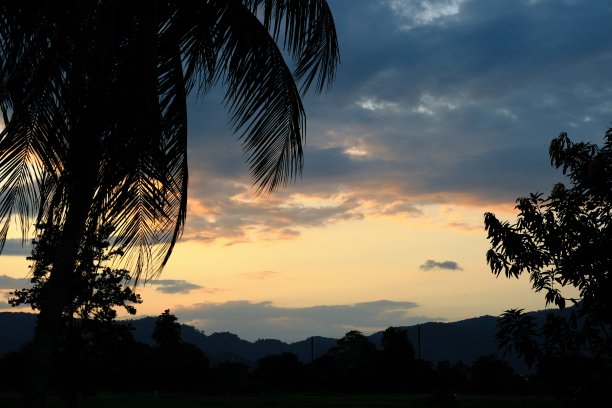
464,226
253,320
5,306
458,109
174,286
372,104
448,265
17,247
8,282
424,12
259,275
237,215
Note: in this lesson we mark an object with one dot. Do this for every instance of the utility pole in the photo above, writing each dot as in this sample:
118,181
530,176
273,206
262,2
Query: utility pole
419,361
312,349
419,339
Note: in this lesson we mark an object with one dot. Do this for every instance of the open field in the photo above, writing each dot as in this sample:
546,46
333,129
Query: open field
296,401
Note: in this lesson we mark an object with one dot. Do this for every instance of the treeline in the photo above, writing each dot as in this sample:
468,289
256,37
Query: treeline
109,359
357,365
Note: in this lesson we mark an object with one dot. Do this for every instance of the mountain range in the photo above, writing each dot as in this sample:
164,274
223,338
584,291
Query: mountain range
465,340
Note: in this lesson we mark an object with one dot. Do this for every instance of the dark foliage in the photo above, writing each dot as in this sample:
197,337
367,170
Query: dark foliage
351,363
355,365
281,372
167,332
564,240
490,375
96,289
94,97
397,365
90,338
179,366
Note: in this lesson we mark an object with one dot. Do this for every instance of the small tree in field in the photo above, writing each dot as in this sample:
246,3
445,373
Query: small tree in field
180,366
563,240
397,360
167,330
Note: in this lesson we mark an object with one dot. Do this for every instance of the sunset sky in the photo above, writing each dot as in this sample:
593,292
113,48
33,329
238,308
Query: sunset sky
442,110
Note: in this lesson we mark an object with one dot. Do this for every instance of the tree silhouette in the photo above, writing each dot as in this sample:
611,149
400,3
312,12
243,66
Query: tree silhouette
352,361
97,288
559,241
398,365
93,100
181,365
167,331
492,375
280,372
88,321
396,344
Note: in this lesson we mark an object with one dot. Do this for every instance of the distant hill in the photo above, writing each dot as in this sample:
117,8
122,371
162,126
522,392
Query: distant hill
16,329
229,347
465,340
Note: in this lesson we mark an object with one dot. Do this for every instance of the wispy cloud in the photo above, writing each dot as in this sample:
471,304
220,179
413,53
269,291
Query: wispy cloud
261,275
464,226
234,217
417,13
448,265
254,320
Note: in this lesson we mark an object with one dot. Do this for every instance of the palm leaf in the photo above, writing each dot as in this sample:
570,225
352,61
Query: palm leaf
127,68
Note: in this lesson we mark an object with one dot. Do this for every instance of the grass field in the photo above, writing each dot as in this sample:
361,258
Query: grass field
296,401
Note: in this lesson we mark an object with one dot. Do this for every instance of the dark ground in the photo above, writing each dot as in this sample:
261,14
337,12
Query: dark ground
296,401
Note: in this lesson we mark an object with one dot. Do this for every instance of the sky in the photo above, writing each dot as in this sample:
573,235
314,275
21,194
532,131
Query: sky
441,110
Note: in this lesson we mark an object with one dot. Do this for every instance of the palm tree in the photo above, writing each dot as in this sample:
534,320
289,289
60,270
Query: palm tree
93,95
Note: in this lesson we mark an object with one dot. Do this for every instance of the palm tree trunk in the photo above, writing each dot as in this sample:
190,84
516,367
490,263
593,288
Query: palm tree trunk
80,176
56,297
58,292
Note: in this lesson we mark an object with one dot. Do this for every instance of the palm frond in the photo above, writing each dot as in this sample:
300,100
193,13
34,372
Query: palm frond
31,144
262,98
194,24
146,153
309,35
95,96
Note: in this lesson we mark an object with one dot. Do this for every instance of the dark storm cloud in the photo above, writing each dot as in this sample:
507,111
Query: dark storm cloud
330,163
432,98
507,181
264,320
504,77
517,41
504,51
173,286
447,265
